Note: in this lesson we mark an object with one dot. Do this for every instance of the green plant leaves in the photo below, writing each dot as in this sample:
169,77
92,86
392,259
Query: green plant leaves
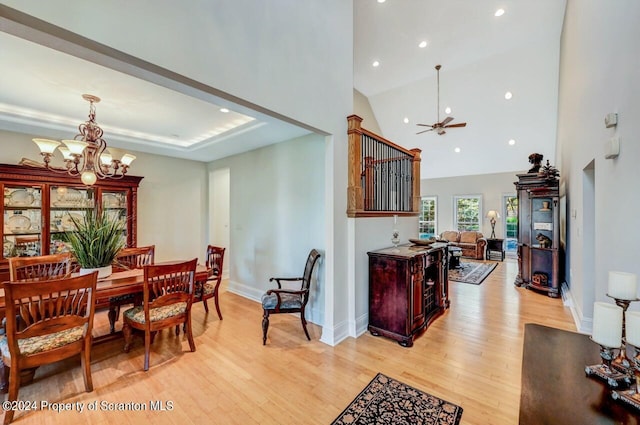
98,238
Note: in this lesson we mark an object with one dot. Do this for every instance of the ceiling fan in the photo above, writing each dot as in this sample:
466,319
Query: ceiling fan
440,126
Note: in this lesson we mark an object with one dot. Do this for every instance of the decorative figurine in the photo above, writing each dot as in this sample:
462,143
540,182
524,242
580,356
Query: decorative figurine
536,160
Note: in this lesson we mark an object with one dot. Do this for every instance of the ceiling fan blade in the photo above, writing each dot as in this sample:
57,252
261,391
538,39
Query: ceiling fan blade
446,121
425,125
462,124
424,131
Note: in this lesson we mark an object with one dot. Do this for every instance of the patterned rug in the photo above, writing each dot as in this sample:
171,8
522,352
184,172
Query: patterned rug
471,272
387,401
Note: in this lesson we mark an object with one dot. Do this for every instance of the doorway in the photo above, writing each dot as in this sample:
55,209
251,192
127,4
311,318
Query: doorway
219,207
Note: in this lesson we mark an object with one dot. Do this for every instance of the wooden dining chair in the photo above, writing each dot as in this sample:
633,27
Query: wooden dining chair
128,259
167,298
289,300
209,289
40,267
134,258
47,321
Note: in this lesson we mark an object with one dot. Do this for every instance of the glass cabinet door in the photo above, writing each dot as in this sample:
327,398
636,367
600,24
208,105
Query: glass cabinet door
68,207
114,203
22,221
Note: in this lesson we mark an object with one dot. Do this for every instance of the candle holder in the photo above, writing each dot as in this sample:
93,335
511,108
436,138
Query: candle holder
604,371
632,395
621,363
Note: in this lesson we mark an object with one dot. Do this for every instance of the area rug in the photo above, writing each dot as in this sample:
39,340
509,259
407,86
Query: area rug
387,401
471,272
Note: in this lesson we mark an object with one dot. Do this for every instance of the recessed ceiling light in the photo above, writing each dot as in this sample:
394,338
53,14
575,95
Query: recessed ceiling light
406,120
375,64
499,12
224,110
381,1
512,142
422,44
508,95
457,150
447,110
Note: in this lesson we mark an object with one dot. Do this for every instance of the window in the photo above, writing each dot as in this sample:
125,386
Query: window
427,221
511,223
467,212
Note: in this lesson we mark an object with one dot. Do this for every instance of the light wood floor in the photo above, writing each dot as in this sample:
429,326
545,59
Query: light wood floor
471,356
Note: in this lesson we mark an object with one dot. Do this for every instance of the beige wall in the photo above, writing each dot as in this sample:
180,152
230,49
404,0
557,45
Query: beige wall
172,198
362,108
491,187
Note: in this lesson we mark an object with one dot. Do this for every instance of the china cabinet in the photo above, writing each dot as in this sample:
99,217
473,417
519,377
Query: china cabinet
408,289
39,206
538,234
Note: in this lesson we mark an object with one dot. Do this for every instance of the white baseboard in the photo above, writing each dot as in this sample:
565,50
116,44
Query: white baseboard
583,325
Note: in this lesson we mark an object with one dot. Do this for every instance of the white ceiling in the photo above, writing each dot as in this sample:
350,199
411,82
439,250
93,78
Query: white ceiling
482,56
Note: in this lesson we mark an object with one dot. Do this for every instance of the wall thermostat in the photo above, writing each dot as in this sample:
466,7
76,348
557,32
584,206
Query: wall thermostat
611,120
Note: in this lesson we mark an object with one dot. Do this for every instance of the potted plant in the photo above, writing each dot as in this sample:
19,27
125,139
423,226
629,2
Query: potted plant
96,241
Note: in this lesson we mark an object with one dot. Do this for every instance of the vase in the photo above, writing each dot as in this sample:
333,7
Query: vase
102,271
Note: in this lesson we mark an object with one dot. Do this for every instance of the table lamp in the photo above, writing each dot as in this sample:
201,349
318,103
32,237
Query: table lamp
493,215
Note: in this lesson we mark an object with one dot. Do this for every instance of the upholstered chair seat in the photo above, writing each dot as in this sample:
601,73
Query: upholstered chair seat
270,301
38,344
136,314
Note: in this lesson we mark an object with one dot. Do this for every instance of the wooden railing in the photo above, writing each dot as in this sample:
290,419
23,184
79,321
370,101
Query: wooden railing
384,178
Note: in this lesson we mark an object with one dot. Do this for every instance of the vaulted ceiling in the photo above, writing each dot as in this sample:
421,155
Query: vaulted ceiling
482,58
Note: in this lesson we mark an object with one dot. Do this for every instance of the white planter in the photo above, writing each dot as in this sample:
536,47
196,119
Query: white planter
102,271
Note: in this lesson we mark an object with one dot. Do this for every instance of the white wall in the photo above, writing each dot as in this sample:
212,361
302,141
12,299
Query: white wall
490,186
171,198
362,108
598,75
293,57
277,216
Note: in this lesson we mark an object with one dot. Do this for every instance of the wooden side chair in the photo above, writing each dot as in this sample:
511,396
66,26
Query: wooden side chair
134,258
46,322
128,259
40,267
209,289
288,300
167,298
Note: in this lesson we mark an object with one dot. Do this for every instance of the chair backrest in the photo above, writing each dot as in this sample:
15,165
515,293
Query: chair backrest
312,260
40,268
215,259
166,284
46,307
135,258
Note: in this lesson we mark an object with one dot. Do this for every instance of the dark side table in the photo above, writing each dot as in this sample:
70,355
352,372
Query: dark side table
495,249
555,388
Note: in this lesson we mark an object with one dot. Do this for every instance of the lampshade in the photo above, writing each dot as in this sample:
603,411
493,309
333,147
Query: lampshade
75,146
46,145
493,214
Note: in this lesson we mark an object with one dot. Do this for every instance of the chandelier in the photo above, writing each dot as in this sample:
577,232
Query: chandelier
87,154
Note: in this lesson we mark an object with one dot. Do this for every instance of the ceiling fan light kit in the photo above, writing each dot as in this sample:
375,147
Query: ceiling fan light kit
440,126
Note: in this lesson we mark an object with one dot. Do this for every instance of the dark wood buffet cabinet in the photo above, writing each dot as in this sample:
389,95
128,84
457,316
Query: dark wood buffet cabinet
39,207
408,289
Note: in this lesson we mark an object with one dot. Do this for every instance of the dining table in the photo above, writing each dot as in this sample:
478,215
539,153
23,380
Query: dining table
118,284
